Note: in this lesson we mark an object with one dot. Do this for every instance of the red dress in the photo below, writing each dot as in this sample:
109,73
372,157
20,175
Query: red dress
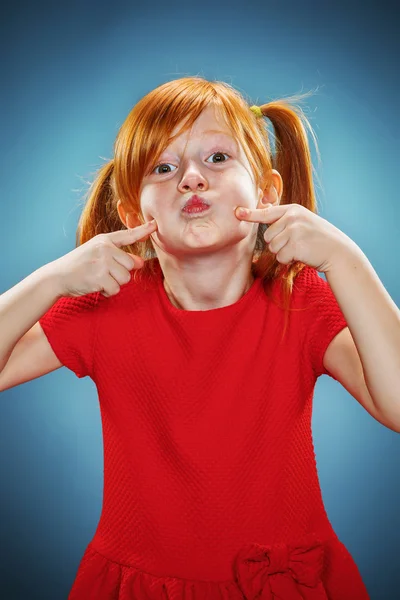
211,488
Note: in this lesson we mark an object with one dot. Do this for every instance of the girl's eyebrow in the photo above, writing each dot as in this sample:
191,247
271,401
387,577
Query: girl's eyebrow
213,131
221,133
218,131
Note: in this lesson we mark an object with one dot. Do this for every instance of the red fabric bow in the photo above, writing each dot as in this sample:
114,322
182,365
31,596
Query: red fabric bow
281,571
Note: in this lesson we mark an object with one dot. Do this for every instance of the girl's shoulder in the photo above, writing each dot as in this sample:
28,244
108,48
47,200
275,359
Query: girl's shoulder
310,285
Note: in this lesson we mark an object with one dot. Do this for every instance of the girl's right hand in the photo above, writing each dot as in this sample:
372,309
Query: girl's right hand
99,265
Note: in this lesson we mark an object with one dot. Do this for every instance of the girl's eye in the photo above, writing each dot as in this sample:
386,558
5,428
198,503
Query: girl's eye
162,165
220,154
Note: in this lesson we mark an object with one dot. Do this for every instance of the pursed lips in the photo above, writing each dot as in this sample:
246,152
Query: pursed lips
195,201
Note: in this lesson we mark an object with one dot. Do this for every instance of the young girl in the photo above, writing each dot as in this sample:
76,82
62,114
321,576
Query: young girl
206,359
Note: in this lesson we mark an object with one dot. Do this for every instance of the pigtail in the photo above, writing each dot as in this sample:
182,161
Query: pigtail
292,159
100,213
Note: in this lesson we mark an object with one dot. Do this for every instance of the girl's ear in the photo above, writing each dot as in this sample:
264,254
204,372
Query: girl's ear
129,219
272,195
277,182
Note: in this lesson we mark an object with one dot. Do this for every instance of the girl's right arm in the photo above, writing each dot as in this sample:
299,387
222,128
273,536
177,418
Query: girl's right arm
23,305
97,265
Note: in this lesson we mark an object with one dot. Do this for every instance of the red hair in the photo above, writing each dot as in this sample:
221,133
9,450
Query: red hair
147,131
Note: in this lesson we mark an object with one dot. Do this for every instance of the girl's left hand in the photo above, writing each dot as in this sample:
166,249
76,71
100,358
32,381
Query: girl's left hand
295,233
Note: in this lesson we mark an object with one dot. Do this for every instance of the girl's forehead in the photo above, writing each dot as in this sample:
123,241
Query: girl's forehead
210,121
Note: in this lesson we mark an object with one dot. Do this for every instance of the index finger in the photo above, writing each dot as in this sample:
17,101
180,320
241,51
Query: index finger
124,237
267,214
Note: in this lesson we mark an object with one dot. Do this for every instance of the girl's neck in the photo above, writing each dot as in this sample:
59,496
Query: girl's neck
175,302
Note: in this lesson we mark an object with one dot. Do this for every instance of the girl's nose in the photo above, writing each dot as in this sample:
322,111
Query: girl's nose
192,179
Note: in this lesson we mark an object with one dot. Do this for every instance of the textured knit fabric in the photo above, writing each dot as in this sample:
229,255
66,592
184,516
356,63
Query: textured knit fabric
210,480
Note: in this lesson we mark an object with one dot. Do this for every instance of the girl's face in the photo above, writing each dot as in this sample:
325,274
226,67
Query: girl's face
208,162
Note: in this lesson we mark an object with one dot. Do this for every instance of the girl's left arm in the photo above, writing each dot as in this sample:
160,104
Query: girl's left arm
374,323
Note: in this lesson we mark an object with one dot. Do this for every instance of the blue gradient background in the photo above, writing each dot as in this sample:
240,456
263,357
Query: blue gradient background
70,75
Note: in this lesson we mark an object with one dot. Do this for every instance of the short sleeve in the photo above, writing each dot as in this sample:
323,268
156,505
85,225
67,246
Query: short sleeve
323,320
70,327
